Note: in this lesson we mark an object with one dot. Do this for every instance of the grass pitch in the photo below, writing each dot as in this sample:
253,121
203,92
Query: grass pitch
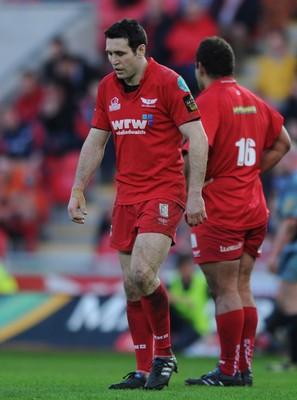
61,375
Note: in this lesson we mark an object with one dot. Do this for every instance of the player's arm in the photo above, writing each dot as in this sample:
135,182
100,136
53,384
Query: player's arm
284,235
275,153
90,158
197,160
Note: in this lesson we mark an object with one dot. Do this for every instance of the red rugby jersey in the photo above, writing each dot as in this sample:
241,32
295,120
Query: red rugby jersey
145,125
239,126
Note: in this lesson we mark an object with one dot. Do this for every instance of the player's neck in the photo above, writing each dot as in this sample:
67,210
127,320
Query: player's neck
136,78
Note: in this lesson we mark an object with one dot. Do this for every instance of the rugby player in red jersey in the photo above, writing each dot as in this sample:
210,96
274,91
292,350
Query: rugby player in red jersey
246,138
148,109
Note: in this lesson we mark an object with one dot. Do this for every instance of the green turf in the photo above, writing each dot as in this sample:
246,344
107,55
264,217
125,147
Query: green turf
73,375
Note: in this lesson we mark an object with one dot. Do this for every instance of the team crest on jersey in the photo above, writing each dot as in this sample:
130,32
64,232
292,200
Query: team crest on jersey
148,102
114,104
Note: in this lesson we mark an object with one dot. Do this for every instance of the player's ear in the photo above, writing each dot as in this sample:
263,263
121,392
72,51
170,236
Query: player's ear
141,50
201,68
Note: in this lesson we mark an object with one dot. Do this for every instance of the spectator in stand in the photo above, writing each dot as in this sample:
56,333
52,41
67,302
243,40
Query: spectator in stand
75,74
290,111
188,295
63,140
238,22
29,98
277,14
283,257
194,24
276,69
157,23
56,51
24,204
58,115
19,139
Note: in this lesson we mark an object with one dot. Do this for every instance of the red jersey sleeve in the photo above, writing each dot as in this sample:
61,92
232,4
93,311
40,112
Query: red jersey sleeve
210,118
100,118
181,104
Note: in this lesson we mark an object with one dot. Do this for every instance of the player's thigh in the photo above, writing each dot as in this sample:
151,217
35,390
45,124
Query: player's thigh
222,276
157,223
149,251
247,262
131,289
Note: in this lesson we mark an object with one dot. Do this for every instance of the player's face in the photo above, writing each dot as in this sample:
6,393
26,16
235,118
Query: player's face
125,63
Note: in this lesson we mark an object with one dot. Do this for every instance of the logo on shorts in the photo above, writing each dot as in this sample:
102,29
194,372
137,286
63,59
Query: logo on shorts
110,230
163,221
196,253
224,249
164,210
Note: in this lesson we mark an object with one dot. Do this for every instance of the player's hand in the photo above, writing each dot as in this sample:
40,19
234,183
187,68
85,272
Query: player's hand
195,210
77,206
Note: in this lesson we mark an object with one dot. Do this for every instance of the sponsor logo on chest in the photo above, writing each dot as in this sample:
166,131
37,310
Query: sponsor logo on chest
132,126
151,103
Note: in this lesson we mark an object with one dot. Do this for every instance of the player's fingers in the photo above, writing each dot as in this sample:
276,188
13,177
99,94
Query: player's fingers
192,219
196,219
78,220
77,193
82,206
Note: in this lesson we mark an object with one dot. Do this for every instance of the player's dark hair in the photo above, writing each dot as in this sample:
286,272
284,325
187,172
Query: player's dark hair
127,29
216,56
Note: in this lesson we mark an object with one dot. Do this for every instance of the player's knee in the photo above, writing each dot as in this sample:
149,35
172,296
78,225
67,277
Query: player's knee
143,280
130,290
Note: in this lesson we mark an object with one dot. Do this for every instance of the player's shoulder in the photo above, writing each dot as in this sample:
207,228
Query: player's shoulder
252,95
163,74
107,80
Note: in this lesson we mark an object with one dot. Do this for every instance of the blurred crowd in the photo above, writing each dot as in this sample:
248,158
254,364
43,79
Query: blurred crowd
44,125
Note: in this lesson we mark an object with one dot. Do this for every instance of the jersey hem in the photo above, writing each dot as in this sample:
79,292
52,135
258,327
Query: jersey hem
131,203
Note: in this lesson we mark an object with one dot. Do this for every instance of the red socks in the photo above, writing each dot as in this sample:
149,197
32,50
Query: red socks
142,335
230,327
149,323
156,309
248,338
